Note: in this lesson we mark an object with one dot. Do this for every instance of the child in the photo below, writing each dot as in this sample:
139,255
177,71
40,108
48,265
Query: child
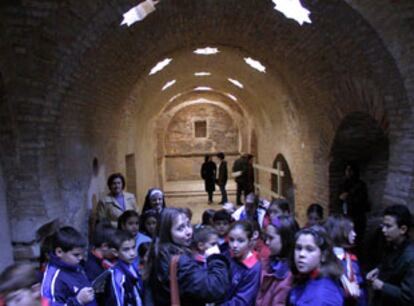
244,265
154,200
221,221
126,286
314,215
343,236
198,285
143,252
251,210
100,256
64,281
207,217
317,270
149,223
204,238
276,277
19,286
277,207
393,280
129,221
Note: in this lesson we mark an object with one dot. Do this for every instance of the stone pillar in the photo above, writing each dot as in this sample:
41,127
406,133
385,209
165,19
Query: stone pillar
6,254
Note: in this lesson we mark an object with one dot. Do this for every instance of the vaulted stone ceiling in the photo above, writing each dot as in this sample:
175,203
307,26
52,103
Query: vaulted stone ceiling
76,86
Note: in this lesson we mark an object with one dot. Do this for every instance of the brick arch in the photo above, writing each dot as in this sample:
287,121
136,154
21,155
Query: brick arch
360,139
288,187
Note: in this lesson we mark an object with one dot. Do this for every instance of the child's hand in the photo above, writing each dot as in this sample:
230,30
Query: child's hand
213,250
373,274
85,295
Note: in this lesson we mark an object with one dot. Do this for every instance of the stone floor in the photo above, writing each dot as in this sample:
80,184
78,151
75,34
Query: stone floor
191,194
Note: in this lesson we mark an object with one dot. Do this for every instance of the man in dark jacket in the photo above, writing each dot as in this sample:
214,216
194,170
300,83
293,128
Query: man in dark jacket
240,173
393,280
208,174
222,177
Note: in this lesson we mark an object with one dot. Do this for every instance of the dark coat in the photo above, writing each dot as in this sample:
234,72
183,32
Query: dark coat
222,174
62,282
124,287
241,164
198,285
397,273
245,282
208,173
321,291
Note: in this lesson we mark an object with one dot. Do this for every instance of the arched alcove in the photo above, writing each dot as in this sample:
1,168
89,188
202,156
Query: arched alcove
359,139
286,183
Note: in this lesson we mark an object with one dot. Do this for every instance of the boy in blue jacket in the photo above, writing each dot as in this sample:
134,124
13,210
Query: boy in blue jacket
125,286
100,257
65,282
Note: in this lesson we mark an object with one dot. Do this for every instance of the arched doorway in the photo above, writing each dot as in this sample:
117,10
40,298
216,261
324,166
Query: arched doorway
362,141
283,184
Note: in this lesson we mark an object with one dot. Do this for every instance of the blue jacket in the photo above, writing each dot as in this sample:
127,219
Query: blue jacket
322,291
93,266
245,282
62,282
198,285
125,286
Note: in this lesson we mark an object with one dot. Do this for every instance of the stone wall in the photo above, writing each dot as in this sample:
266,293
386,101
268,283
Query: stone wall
184,151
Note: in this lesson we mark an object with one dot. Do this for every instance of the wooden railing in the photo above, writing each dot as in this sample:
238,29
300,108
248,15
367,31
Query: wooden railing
259,188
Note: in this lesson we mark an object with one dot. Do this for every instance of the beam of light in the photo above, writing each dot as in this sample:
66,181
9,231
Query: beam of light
160,66
231,97
139,12
202,73
206,51
203,88
235,82
168,84
255,64
293,9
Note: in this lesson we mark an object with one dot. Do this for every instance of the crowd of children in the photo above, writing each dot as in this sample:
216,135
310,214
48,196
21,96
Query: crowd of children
256,256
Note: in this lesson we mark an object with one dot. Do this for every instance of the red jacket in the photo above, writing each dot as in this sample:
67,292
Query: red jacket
275,285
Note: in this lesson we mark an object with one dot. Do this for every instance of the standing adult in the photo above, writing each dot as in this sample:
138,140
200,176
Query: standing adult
116,201
222,177
354,201
208,173
240,173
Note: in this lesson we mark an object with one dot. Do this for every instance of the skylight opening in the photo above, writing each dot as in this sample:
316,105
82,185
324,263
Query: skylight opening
255,64
139,12
235,82
168,84
206,51
160,66
203,88
293,9
231,97
202,73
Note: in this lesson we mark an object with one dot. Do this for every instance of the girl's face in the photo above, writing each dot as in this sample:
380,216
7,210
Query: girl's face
182,231
156,201
151,226
274,211
313,219
273,240
352,235
239,243
132,225
307,254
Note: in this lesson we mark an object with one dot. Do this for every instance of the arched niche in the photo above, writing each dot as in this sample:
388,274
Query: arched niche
361,140
286,182
193,131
